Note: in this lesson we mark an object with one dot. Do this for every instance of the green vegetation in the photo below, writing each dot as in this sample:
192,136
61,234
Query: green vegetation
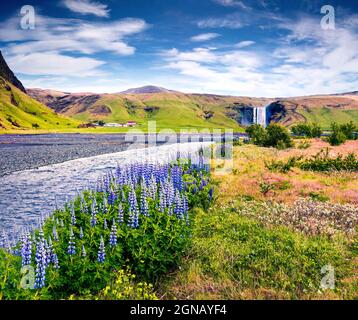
322,161
170,111
20,112
274,135
80,250
324,116
341,133
234,256
308,130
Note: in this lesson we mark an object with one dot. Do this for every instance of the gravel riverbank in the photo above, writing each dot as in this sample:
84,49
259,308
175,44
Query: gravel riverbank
21,152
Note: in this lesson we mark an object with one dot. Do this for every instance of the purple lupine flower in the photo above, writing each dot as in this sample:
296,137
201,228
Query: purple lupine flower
73,215
132,199
152,188
40,259
93,215
83,253
105,226
144,203
112,197
26,249
81,233
54,261
211,193
178,207
113,234
49,251
101,252
133,218
54,233
162,202
71,249
120,213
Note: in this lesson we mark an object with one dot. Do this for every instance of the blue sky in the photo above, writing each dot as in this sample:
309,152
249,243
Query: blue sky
269,48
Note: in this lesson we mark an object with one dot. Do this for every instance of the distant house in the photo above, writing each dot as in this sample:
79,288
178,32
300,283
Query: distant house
113,125
131,123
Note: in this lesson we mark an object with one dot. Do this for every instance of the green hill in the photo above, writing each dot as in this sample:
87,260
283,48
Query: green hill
176,110
170,110
18,111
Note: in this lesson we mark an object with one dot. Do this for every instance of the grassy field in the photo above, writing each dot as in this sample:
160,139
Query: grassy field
250,245
170,111
19,112
325,116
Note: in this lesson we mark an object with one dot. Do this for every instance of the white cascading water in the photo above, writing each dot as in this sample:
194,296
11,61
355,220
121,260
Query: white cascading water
259,116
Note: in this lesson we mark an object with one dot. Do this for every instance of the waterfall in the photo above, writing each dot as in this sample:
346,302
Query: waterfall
259,116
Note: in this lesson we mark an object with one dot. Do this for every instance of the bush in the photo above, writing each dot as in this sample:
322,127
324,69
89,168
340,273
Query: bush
337,136
304,145
323,162
278,136
257,134
274,135
349,130
282,166
309,130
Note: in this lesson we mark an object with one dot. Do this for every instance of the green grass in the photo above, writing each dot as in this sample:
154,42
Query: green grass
172,112
325,116
234,257
20,112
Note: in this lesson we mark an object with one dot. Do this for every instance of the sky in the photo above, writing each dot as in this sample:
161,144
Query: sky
259,48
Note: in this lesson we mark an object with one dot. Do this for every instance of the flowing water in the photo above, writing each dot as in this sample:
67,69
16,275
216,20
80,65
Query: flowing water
27,195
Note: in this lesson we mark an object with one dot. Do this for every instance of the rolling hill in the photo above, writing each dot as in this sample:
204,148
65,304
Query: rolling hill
173,109
24,109
18,111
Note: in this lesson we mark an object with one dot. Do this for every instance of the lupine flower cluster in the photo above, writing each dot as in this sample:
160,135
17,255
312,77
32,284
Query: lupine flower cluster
120,200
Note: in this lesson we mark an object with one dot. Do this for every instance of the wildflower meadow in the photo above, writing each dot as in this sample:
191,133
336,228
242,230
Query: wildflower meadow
136,218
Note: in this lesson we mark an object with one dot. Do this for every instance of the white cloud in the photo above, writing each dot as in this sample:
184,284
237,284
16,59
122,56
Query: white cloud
87,7
204,37
244,44
232,3
231,22
71,35
54,64
308,60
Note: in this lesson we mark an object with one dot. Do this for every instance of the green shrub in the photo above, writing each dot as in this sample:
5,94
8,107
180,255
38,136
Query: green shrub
304,145
309,130
337,136
318,196
274,135
349,130
323,162
282,166
278,135
257,134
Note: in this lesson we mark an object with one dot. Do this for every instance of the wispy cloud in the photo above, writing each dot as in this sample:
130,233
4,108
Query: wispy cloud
87,7
305,60
71,35
54,64
204,37
232,3
232,21
244,44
